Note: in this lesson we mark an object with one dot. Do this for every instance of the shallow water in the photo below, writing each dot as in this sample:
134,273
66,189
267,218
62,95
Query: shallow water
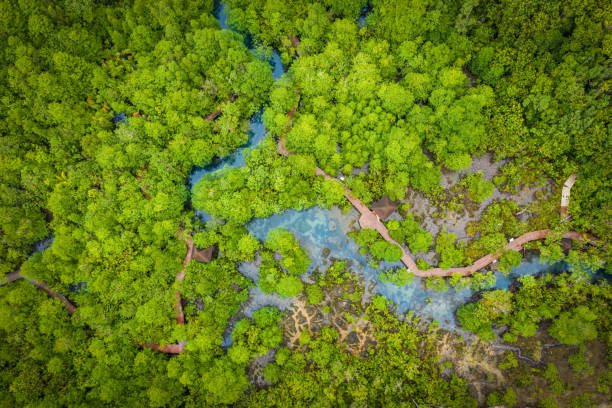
256,134
44,243
317,229
119,117
257,130
365,11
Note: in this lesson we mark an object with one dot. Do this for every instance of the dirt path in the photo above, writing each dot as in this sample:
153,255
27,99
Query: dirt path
516,245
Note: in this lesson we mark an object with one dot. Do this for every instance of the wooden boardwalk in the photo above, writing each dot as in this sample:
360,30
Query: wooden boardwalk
180,316
369,219
179,347
15,276
565,196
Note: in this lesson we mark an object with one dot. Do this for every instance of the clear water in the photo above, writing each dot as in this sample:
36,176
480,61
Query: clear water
43,244
257,130
278,70
256,134
317,229
119,117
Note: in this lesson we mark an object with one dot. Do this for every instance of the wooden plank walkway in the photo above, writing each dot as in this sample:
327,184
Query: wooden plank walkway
565,197
369,219
15,276
179,347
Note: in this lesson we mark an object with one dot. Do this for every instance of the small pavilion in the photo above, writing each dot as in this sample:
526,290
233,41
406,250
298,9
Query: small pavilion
203,255
384,207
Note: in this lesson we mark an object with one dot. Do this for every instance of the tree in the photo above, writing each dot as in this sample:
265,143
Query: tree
574,326
509,260
382,249
451,254
437,283
478,188
409,231
294,258
471,318
223,382
289,286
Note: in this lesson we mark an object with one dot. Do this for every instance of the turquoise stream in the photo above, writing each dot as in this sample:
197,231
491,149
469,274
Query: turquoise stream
257,130
324,234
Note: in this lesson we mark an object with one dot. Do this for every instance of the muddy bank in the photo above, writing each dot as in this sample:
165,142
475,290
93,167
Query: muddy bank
457,222
479,363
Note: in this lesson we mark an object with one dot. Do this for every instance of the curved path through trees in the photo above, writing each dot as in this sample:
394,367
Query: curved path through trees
180,316
179,347
14,276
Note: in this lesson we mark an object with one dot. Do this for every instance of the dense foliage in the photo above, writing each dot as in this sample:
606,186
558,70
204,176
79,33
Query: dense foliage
267,185
294,262
106,107
409,231
373,244
322,373
579,310
433,76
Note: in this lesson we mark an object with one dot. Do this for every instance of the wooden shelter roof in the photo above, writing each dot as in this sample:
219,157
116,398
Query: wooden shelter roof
203,255
384,207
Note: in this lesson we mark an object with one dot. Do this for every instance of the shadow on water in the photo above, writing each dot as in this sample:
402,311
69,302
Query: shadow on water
363,16
220,13
43,244
119,117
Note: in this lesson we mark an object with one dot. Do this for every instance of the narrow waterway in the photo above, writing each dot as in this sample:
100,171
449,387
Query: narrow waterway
257,130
